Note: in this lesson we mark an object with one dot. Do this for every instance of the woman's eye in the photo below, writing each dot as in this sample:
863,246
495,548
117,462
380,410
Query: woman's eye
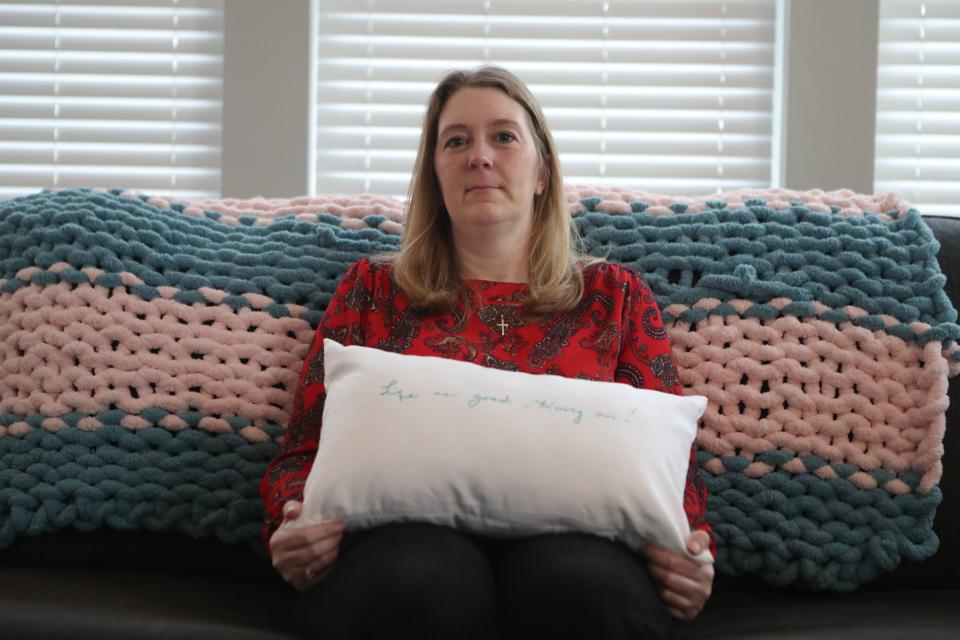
506,136
456,141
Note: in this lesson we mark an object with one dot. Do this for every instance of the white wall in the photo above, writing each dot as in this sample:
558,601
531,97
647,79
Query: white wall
828,96
266,98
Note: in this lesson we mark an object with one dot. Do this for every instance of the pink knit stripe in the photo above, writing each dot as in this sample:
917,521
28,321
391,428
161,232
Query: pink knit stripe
850,203
353,208
212,295
82,348
743,306
843,393
266,210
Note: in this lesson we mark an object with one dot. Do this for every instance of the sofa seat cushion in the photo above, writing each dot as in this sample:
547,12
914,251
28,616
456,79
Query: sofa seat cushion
785,614
49,603
73,603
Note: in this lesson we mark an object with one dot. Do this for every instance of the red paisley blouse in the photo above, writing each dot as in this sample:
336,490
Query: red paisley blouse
614,334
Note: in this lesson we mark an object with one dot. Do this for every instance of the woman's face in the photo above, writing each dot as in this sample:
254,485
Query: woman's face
486,159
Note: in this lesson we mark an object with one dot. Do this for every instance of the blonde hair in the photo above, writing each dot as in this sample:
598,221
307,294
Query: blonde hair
426,266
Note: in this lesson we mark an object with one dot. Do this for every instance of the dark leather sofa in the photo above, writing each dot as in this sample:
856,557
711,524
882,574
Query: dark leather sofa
114,584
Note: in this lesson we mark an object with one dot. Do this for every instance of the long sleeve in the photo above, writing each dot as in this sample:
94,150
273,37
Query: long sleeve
646,361
287,473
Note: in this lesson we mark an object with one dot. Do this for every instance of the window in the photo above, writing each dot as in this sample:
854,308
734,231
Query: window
669,96
918,103
106,94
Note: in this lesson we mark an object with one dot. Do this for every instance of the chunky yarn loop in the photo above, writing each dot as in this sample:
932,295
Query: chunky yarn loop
149,349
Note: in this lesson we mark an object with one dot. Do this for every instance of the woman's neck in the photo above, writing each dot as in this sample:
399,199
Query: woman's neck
503,259
506,266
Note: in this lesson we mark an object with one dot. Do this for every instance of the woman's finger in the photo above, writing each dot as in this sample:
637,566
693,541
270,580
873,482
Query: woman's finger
324,563
672,561
674,599
677,613
677,581
307,555
315,556
289,540
295,550
318,571
678,606
323,545
659,574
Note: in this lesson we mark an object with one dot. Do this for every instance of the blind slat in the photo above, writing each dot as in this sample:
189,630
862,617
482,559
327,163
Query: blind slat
118,154
622,142
668,10
107,63
120,109
644,31
747,59
395,183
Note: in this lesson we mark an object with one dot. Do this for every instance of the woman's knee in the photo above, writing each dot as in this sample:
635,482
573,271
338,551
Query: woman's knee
574,585
404,579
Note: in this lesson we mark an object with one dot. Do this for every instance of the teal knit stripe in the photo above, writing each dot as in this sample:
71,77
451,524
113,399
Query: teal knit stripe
822,533
290,261
795,483
189,481
736,464
800,529
760,254
756,254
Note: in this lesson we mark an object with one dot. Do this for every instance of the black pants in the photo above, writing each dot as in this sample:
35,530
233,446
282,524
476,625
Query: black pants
425,581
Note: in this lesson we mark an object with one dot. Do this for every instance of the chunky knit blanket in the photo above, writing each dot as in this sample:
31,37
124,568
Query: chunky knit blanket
149,349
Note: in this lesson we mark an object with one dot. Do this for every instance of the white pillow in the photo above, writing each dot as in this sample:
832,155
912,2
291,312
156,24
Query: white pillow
419,438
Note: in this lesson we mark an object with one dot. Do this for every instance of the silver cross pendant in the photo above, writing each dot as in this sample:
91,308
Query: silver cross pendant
503,326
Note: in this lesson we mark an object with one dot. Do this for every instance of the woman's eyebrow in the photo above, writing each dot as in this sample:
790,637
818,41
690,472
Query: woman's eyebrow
497,122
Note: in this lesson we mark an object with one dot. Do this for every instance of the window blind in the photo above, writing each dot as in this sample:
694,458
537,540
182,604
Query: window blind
664,95
918,103
111,94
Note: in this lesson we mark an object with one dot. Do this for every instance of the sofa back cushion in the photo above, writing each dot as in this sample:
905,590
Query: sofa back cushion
150,348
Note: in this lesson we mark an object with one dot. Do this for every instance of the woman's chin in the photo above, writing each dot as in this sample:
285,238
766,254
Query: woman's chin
482,216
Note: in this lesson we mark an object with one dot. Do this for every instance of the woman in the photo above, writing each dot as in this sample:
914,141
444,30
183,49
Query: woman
487,273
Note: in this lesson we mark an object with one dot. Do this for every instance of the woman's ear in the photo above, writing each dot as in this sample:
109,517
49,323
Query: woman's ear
543,176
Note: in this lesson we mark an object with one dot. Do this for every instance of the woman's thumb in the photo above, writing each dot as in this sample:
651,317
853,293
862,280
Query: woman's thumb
698,541
291,510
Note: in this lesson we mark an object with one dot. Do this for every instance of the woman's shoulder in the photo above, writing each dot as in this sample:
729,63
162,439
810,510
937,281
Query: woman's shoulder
613,275
369,269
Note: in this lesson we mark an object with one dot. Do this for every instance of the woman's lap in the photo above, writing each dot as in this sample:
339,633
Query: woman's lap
404,580
577,586
430,581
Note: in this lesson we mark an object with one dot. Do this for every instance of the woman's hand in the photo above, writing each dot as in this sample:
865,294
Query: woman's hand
684,585
303,556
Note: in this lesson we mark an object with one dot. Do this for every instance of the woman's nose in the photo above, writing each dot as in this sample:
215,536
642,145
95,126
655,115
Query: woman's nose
479,156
